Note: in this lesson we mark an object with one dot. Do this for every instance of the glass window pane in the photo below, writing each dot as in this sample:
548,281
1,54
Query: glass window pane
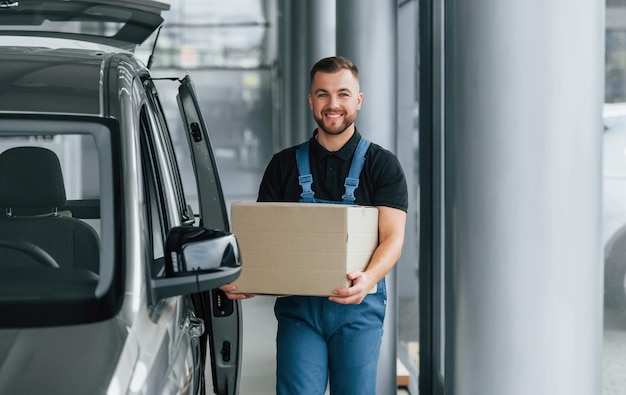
55,186
614,198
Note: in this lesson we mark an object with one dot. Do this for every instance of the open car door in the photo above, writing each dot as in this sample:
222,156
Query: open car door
221,315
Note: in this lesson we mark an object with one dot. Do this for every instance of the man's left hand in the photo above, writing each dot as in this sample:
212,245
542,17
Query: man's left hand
361,284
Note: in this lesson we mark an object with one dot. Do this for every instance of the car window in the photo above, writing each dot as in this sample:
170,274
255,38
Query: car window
56,245
154,208
207,187
194,176
185,212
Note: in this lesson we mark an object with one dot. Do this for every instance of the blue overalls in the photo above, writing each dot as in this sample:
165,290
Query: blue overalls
317,336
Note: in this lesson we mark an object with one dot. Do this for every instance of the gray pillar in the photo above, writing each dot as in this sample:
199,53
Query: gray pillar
366,34
271,38
320,44
407,93
307,34
523,100
321,37
300,70
284,76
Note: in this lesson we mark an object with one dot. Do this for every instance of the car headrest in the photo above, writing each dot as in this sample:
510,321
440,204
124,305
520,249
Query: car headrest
31,177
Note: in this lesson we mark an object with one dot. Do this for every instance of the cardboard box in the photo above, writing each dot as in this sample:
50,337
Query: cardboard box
302,248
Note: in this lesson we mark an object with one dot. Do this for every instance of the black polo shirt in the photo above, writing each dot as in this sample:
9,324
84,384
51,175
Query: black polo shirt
382,181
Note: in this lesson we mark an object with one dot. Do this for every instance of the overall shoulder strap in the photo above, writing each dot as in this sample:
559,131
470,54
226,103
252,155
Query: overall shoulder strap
305,179
352,181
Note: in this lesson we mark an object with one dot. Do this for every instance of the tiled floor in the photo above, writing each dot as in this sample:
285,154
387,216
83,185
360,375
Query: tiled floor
259,329
614,350
259,353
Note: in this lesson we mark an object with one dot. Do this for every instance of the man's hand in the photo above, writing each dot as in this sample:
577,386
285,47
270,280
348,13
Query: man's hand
391,223
229,289
361,284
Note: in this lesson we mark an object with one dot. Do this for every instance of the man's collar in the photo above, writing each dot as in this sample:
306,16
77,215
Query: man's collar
344,153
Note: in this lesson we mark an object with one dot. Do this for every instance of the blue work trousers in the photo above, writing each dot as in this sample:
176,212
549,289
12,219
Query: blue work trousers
320,341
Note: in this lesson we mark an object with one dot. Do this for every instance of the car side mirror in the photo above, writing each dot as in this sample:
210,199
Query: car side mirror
196,260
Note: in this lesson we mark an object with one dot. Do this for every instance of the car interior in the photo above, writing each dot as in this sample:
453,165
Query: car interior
31,178
48,248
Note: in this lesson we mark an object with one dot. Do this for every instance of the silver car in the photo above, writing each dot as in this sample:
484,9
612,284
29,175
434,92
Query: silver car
108,278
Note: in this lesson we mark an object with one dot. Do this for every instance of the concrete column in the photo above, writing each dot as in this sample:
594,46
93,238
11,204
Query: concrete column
523,115
321,29
307,34
321,41
366,34
407,92
284,71
296,100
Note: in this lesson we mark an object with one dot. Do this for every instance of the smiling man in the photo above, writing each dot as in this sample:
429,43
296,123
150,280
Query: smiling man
336,339
334,100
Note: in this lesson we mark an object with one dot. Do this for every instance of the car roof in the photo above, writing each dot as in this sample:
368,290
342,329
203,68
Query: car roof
119,23
62,80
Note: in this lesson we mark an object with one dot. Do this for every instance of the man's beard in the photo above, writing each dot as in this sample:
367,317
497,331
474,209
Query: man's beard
348,121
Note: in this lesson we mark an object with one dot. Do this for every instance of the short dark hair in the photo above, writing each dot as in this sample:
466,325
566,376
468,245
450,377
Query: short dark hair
333,64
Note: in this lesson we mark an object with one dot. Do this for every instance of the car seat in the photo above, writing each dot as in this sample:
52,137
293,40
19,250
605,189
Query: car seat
31,177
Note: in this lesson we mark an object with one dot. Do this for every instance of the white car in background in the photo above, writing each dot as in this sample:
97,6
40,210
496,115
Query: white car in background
614,204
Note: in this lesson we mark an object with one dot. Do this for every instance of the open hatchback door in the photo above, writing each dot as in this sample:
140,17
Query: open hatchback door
118,23
221,315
